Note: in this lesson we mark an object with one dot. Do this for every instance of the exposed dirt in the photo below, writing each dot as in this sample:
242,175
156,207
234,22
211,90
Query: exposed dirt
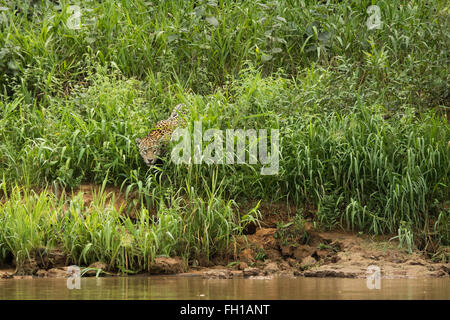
167,265
114,196
328,254
42,263
325,254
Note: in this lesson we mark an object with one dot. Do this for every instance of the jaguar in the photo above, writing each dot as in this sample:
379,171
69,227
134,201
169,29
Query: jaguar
152,146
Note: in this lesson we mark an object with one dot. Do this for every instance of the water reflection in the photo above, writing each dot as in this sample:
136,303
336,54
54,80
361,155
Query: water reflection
197,288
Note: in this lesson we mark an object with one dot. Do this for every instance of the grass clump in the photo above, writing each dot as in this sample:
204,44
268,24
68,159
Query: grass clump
28,223
87,233
292,233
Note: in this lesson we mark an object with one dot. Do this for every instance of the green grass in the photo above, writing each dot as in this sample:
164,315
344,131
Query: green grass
190,227
27,221
362,116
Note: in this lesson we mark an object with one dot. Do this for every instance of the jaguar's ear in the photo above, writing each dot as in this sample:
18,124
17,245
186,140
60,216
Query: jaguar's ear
138,140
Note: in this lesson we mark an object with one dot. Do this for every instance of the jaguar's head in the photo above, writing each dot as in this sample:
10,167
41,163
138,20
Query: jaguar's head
149,150
155,144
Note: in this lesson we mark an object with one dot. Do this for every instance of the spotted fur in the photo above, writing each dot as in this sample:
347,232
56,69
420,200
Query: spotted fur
152,146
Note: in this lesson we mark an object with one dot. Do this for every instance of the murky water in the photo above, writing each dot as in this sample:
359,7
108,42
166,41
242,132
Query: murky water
175,287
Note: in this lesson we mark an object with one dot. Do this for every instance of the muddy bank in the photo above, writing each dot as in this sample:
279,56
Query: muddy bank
328,254
279,246
262,254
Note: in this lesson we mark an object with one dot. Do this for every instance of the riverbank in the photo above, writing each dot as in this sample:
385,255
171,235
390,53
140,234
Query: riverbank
272,248
330,254
358,120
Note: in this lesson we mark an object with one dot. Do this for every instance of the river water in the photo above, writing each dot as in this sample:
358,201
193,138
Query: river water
177,287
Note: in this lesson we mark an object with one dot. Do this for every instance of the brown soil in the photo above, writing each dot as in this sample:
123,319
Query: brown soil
114,196
328,254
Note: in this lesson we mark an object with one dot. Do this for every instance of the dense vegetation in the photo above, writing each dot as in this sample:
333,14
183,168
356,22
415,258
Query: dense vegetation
362,114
